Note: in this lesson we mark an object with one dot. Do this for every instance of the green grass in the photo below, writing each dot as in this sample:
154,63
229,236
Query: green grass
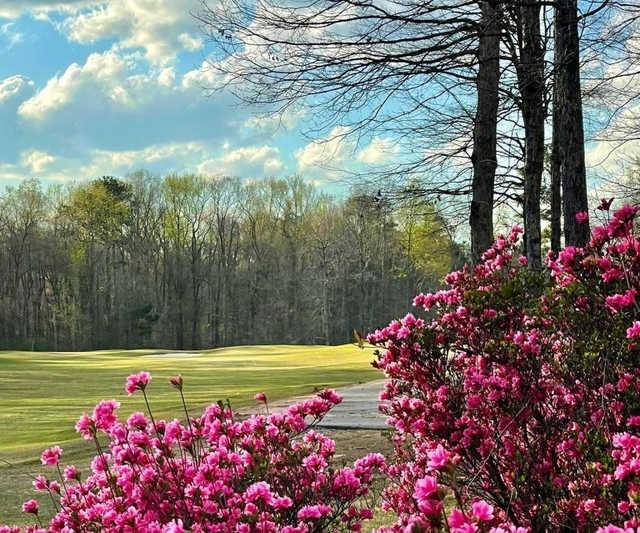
42,394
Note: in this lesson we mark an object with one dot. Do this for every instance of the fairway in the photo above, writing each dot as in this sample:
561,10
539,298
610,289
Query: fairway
42,394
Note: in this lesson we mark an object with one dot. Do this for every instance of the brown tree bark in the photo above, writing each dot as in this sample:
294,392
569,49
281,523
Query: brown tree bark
485,130
568,124
531,81
556,195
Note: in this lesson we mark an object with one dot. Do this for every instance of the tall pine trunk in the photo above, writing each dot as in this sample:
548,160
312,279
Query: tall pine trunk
485,130
568,125
531,82
556,195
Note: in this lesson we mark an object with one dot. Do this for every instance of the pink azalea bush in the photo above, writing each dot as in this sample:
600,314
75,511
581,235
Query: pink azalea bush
510,395
213,473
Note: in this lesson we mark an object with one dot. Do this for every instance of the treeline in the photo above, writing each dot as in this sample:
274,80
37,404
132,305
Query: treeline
187,262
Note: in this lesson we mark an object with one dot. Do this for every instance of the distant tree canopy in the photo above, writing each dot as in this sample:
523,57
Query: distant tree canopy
191,262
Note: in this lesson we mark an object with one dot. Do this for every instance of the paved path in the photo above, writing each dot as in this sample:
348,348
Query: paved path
358,410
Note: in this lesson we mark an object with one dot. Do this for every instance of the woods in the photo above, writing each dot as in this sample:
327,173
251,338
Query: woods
189,262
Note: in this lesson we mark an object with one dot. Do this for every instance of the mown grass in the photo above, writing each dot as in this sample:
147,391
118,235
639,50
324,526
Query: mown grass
42,394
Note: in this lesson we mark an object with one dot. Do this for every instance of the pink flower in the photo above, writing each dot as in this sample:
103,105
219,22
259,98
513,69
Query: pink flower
313,512
86,426
626,212
136,382
260,397
424,488
260,491
582,217
71,472
30,506
457,519
618,302
438,458
282,503
175,526
482,511
176,381
159,490
40,483
634,330
104,414
331,396
474,401
51,456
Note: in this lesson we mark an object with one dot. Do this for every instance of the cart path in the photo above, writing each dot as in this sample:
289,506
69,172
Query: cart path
358,409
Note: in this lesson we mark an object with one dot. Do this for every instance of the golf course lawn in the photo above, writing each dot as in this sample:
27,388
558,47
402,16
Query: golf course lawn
42,394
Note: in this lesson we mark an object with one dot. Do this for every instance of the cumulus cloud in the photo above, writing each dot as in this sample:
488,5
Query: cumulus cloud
617,143
329,151
36,160
102,71
379,150
276,122
168,157
15,87
162,28
110,81
247,161
130,106
201,78
12,9
167,76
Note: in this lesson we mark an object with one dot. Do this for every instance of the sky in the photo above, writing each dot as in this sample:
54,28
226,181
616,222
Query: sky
107,87
91,88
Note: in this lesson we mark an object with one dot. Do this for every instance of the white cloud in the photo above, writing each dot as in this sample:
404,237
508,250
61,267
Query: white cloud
247,161
201,78
162,28
12,9
329,151
177,156
190,42
272,123
195,156
36,160
14,87
617,143
167,76
100,70
379,150
10,36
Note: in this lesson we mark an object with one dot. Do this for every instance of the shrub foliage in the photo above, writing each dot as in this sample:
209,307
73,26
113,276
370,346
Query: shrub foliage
507,398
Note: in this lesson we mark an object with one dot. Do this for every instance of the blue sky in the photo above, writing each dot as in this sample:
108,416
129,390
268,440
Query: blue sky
91,88
106,87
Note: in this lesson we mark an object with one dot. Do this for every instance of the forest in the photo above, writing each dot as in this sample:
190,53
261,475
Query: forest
189,262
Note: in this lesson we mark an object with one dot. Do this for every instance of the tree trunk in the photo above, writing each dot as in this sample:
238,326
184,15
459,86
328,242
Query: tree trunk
556,196
485,131
531,81
568,125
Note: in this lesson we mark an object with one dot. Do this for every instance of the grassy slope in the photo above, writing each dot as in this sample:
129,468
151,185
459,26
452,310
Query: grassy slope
42,394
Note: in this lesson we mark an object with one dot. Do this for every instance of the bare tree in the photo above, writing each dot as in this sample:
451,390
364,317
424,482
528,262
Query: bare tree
484,155
405,70
568,128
